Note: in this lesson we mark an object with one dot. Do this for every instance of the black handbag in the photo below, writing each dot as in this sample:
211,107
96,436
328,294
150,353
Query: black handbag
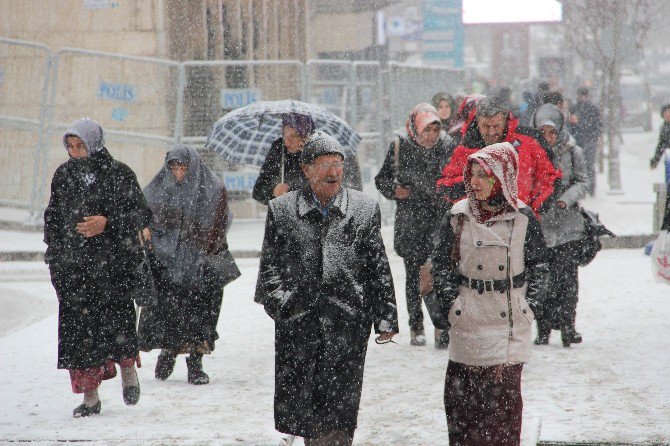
590,242
144,292
220,268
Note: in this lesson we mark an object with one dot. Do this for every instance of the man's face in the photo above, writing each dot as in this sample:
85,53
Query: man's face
666,115
76,147
492,128
325,176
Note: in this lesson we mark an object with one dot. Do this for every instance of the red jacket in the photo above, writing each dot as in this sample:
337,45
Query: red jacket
536,172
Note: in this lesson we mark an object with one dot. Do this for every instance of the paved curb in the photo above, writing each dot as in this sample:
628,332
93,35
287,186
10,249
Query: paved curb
623,242
38,256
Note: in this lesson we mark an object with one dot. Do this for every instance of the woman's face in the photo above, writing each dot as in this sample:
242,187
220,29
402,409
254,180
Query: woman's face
443,109
179,170
292,140
429,136
76,147
481,183
549,134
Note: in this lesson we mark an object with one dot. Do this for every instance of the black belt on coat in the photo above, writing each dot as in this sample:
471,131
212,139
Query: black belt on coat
492,285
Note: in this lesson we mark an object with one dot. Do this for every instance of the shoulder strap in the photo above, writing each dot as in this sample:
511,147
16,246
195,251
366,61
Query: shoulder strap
456,247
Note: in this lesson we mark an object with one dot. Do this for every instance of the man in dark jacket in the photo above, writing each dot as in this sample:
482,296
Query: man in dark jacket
585,124
663,136
325,280
91,229
408,175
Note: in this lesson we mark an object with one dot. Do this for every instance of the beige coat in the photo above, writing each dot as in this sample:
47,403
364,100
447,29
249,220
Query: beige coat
493,327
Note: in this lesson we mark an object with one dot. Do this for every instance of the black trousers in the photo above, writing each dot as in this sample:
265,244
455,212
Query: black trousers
412,269
560,306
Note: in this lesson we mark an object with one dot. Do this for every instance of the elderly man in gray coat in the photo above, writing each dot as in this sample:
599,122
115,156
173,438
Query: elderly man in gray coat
563,228
325,280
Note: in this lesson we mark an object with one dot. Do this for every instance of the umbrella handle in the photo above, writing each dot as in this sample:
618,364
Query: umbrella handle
282,165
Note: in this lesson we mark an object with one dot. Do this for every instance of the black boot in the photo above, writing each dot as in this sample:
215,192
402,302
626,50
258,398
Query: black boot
543,332
570,336
165,365
195,372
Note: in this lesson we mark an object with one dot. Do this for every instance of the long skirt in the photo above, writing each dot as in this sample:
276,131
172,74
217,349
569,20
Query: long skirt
483,404
185,319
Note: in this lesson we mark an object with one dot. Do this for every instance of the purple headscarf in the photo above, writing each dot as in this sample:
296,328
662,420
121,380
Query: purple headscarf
302,124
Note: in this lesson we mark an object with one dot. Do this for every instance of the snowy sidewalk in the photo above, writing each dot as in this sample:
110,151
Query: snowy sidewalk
613,387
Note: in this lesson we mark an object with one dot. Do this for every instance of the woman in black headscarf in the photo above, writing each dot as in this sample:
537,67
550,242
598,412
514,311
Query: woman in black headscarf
281,171
188,226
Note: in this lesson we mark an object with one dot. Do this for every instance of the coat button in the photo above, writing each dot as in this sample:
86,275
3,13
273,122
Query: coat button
500,267
524,311
479,243
503,314
457,312
480,267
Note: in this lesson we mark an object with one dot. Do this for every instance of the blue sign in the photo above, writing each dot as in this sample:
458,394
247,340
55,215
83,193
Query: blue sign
100,4
120,114
240,181
443,34
239,97
117,92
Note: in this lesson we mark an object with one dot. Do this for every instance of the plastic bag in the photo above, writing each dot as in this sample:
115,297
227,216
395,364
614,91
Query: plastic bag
660,258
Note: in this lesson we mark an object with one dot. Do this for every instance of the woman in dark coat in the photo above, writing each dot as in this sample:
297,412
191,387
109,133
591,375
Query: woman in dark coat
188,229
411,168
91,230
563,228
281,171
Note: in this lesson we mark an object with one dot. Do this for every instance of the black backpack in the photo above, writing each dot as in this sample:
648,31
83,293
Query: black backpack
590,242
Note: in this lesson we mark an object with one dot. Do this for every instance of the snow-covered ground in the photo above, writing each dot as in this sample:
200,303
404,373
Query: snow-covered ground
613,387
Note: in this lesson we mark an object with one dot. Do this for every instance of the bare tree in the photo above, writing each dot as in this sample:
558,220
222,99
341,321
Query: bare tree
595,30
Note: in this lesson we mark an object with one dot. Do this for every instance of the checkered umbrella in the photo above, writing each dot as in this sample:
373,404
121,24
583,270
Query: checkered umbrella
245,135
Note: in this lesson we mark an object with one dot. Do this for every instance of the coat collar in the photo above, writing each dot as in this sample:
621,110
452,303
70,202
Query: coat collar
306,202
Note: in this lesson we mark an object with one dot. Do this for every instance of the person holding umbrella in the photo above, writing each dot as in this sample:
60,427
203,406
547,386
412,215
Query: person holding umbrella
281,171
